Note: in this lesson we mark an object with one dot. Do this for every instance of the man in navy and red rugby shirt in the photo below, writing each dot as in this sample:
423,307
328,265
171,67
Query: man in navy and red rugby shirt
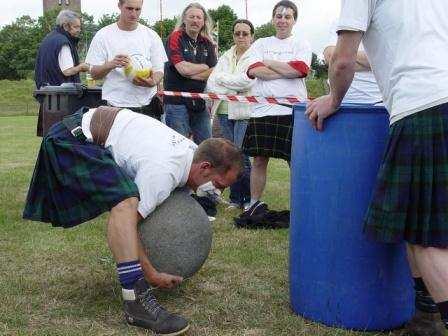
191,58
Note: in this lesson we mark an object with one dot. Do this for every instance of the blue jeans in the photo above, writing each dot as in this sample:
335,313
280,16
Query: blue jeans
186,122
234,130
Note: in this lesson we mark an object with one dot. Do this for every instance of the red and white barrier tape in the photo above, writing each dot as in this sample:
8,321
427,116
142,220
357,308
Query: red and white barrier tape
232,98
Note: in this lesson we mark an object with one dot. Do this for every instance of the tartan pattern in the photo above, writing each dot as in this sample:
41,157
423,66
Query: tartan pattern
269,136
74,181
410,201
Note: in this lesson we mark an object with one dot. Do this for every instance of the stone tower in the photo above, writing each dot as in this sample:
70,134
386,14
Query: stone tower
74,5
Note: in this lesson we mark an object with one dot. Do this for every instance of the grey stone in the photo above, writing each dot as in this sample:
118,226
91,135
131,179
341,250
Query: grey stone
177,236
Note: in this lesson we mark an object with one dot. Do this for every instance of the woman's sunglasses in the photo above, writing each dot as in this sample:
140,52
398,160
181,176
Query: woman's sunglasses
241,33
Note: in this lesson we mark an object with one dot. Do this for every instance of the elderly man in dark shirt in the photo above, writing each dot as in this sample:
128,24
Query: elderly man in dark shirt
57,59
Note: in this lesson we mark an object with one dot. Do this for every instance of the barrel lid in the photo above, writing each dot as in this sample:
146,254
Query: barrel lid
351,108
67,88
78,89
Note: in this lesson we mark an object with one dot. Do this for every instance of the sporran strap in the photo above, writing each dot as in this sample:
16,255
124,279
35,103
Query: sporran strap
101,123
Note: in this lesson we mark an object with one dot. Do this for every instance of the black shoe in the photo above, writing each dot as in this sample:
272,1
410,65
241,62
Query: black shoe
425,324
141,309
258,208
424,302
207,203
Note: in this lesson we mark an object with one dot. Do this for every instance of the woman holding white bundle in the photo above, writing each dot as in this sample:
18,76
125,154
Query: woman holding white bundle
230,77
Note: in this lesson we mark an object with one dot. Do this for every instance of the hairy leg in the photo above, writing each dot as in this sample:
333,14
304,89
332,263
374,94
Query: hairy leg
258,177
125,244
433,264
122,230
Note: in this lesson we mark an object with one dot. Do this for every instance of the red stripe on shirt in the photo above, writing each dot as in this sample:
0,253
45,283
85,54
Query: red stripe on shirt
175,47
253,66
300,67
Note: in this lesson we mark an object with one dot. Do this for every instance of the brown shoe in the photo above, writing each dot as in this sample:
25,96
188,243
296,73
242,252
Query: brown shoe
425,324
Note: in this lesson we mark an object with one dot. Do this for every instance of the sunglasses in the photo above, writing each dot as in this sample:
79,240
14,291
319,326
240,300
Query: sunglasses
241,33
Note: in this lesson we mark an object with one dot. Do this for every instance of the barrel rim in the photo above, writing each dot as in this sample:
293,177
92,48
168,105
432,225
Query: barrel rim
352,108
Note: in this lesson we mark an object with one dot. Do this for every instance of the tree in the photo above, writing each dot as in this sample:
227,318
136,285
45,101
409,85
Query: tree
165,27
224,16
144,22
265,30
319,66
107,19
89,28
46,23
17,48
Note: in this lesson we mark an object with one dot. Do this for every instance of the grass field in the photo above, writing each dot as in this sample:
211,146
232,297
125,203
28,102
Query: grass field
17,98
63,282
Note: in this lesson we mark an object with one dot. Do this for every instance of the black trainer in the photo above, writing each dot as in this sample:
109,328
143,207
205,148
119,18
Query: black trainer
424,302
425,324
142,309
257,208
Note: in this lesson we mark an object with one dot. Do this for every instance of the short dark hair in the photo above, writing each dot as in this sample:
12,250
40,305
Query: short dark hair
221,153
121,2
287,4
252,29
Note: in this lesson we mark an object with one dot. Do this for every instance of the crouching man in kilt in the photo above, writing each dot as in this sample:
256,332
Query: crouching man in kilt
280,63
410,201
107,159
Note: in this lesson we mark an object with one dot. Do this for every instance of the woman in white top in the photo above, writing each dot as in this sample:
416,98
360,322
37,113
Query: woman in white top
230,77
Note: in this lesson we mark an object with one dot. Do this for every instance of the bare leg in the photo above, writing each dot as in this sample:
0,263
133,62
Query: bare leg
125,244
258,177
122,230
433,265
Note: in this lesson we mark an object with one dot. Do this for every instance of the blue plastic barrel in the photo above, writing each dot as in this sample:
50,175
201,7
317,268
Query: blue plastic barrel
338,277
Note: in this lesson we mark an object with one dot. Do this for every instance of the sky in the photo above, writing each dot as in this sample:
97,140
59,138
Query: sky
313,23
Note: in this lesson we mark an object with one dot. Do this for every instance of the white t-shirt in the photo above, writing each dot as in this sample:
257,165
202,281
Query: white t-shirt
406,41
364,88
65,58
286,50
156,157
142,44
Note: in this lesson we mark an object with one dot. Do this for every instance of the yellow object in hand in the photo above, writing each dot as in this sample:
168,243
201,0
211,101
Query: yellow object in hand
131,72
143,73
128,70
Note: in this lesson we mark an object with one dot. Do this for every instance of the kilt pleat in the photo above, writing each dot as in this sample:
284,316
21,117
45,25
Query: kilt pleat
410,201
269,136
74,180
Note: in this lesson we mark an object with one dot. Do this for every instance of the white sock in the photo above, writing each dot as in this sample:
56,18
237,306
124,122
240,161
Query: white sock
252,202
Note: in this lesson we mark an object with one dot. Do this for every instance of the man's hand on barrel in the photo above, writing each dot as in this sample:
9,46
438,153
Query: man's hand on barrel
319,109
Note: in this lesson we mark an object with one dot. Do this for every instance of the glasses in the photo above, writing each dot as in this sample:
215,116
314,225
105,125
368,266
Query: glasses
241,33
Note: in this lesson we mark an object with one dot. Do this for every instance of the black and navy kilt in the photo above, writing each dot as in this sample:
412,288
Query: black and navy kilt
269,136
74,180
410,201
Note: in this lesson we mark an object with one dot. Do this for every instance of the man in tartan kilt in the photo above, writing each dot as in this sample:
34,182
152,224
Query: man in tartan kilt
112,159
280,63
410,201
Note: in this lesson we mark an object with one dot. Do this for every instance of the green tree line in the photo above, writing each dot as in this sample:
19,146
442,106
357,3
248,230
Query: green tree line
19,41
